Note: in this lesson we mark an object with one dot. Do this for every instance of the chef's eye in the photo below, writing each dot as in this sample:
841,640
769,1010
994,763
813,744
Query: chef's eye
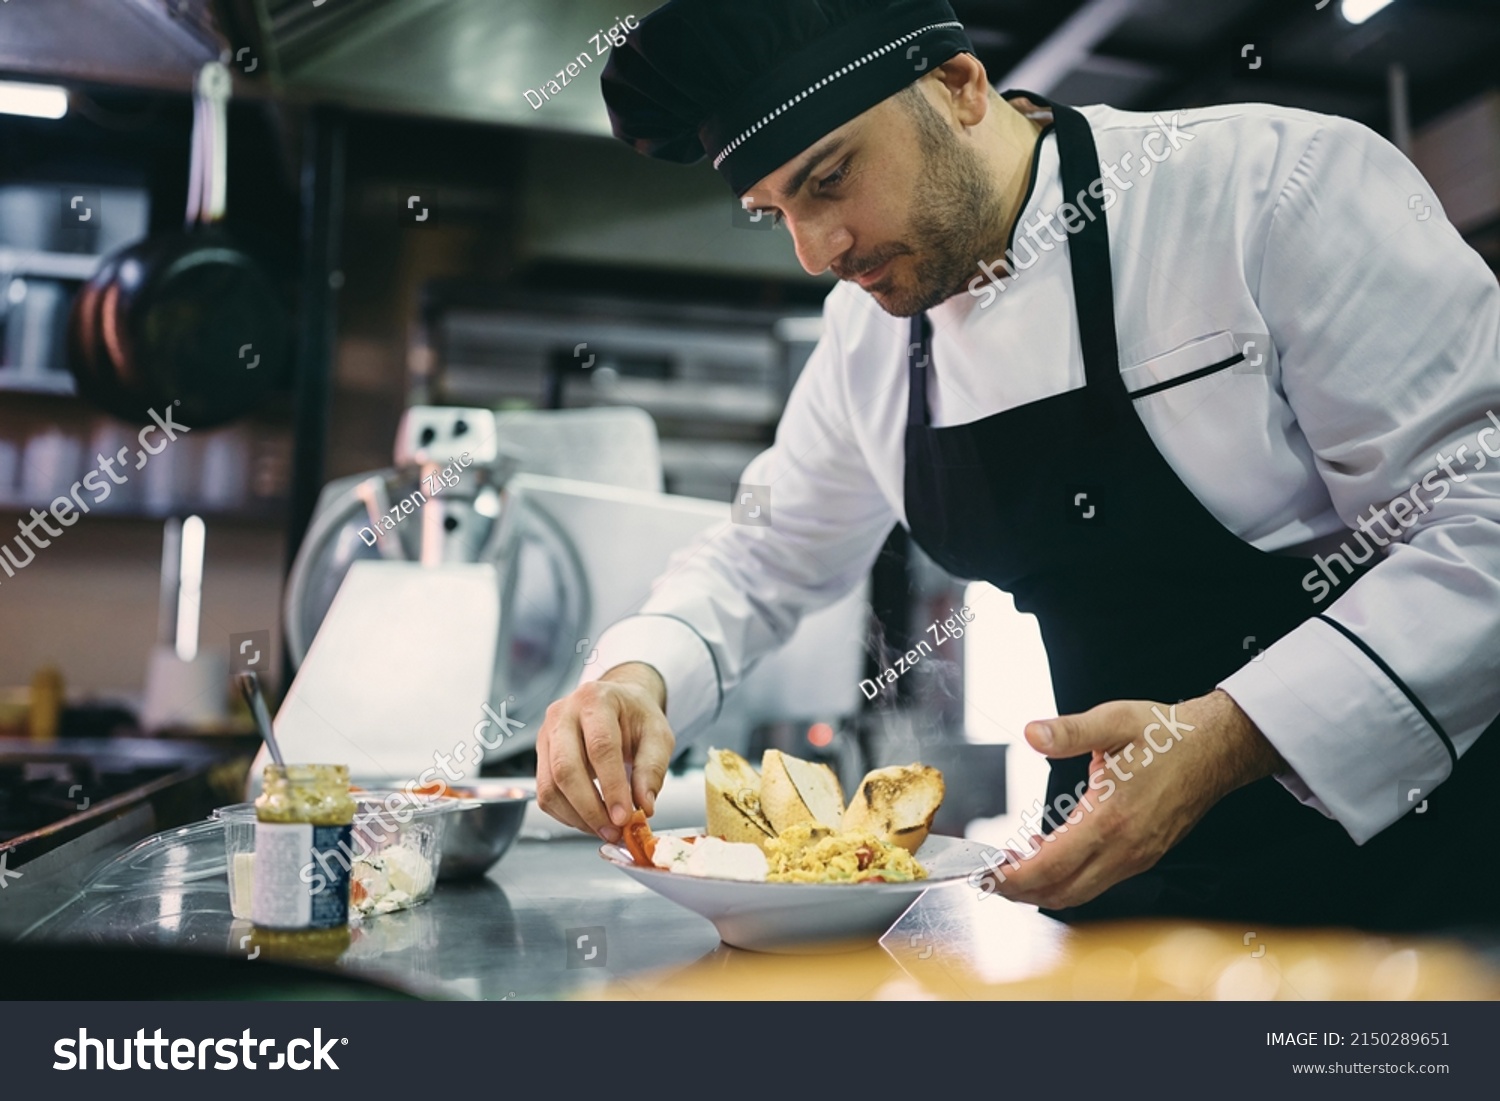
834,178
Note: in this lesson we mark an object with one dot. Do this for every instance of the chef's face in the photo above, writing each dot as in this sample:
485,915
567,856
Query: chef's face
896,200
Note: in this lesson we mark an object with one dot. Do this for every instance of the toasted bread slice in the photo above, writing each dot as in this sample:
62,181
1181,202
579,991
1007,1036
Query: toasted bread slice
796,792
732,799
896,804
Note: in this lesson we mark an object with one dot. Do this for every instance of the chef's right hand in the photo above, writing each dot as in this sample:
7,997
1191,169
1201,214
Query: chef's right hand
613,729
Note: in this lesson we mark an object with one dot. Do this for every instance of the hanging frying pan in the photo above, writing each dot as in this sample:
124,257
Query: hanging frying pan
187,320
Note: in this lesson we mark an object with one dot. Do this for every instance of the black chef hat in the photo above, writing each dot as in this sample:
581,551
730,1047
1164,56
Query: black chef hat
752,83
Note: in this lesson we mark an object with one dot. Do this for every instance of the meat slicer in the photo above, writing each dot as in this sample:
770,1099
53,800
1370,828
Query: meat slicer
432,595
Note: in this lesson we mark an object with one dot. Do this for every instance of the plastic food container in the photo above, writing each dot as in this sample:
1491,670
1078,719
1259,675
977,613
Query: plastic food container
396,845
171,859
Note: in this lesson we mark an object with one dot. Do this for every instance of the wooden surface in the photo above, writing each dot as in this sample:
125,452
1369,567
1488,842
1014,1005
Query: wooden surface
963,947
508,937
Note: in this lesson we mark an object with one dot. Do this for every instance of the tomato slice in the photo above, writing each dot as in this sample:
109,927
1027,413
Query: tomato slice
639,840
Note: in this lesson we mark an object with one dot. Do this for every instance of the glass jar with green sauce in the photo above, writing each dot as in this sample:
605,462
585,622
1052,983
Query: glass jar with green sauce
302,851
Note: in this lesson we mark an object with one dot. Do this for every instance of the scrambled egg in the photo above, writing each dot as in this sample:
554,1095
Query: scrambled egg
815,854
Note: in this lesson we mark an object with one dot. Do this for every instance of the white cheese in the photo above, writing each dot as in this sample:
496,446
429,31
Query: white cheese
671,853
391,879
711,858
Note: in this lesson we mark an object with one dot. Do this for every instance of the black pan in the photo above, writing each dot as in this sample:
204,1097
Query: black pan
187,320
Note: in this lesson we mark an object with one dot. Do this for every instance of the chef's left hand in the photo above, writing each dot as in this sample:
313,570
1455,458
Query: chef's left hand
1212,749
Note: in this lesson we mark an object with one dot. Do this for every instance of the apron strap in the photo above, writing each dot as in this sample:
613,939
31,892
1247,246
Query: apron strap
1088,249
1088,256
1088,261
918,356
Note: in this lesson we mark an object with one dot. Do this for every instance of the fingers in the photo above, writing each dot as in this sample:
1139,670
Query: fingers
1092,879
1106,727
570,774
652,756
548,796
558,807
604,744
1056,869
1077,862
594,733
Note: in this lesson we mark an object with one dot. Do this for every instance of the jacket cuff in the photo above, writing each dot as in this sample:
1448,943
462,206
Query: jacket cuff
1351,732
679,654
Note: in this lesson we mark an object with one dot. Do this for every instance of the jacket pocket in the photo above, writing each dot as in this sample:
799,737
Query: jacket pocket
1198,358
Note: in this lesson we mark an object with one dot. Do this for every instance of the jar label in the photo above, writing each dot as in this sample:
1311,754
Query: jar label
333,859
281,900
301,875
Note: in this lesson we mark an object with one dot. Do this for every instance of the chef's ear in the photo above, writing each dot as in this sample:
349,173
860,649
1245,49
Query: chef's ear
966,87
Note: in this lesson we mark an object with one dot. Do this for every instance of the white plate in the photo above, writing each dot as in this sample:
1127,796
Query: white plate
805,917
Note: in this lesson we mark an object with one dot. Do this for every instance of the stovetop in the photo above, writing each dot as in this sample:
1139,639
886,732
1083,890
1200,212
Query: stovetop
45,782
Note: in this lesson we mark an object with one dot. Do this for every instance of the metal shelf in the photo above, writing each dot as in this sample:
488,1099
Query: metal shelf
32,380
77,266
272,513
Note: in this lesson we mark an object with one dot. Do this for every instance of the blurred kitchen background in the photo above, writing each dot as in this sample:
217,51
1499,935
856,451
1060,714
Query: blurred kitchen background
437,240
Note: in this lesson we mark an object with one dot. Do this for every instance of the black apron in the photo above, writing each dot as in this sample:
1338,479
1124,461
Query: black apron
1142,594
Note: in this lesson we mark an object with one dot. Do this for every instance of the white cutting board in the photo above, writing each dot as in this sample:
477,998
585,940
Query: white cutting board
399,671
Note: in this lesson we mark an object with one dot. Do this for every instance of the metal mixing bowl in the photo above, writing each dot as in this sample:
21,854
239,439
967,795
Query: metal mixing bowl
480,832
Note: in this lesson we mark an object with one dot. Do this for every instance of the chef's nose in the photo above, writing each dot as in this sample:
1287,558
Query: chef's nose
818,243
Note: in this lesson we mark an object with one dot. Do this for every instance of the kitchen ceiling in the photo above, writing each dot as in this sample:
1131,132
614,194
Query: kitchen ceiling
1160,53
139,43
471,60
475,60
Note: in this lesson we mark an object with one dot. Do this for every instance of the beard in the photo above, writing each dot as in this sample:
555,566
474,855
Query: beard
956,218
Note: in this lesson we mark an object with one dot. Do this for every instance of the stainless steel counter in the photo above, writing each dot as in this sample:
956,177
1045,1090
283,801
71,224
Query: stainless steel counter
515,935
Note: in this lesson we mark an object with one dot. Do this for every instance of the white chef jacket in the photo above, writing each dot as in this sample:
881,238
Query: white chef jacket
1383,356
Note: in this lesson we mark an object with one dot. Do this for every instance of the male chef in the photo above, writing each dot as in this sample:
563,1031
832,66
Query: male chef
1214,393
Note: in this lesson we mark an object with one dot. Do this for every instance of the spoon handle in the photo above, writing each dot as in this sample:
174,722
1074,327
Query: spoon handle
250,687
